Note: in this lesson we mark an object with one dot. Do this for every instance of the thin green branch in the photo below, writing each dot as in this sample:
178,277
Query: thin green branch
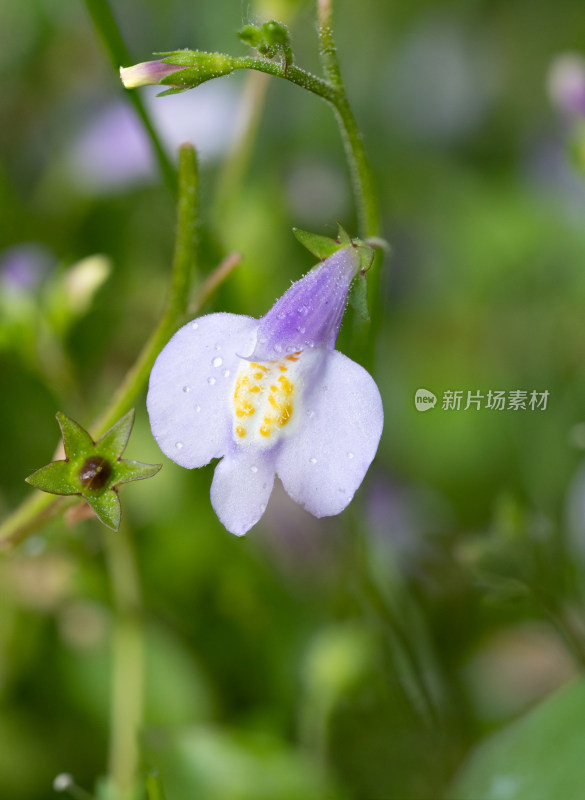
40,507
106,25
327,47
361,174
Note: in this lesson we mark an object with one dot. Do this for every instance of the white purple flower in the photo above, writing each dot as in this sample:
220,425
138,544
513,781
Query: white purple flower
271,396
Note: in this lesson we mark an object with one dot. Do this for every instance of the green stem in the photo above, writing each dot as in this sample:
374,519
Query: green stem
362,181
183,266
106,25
128,665
41,507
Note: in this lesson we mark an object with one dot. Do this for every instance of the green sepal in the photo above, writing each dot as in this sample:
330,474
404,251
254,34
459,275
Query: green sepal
107,507
172,91
115,439
358,297
250,35
270,40
320,246
54,478
75,438
127,471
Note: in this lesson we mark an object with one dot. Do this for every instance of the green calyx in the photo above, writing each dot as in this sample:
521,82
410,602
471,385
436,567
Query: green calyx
196,67
323,247
93,470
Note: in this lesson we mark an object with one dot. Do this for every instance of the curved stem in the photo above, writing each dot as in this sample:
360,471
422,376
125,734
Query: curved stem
41,507
105,23
362,181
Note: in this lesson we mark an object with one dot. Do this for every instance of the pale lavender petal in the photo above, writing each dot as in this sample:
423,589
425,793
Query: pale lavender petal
190,391
241,487
310,313
322,466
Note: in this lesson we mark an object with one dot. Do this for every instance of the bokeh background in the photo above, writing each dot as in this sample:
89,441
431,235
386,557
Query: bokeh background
428,642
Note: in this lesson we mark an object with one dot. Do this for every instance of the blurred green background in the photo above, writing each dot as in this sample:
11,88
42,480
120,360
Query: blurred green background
363,657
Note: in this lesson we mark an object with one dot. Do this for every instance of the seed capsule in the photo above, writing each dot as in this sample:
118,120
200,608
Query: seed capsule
94,473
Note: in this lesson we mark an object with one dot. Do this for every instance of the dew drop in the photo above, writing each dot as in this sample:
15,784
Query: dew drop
310,343
281,315
301,329
350,455
186,389
211,381
218,347
194,325
278,348
292,348
217,361
303,310
197,409
310,414
312,460
254,469
226,373
179,445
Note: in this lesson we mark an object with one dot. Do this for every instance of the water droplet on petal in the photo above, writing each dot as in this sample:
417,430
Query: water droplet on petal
218,347
253,469
292,348
350,455
226,373
278,348
194,325
303,310
301,329
211,381
312,460
179,445
197,409
310,414
281,315
186,389
310,343
217,361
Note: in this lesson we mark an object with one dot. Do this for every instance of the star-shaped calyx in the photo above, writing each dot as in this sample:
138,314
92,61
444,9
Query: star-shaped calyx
93,470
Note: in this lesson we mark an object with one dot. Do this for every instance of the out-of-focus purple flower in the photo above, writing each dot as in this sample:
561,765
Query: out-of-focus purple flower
271,396
566,84
23,266
112,151
146,73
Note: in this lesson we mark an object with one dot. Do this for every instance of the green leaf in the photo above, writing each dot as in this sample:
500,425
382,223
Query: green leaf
54,478
134,471
114,441
320,246
538,757
76,439
107,507
343,236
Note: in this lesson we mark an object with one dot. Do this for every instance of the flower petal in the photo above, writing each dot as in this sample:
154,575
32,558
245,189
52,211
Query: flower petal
309,314
322,466
241,488
191,387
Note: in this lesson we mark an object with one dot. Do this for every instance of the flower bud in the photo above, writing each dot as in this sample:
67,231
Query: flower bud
146,73
180,69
